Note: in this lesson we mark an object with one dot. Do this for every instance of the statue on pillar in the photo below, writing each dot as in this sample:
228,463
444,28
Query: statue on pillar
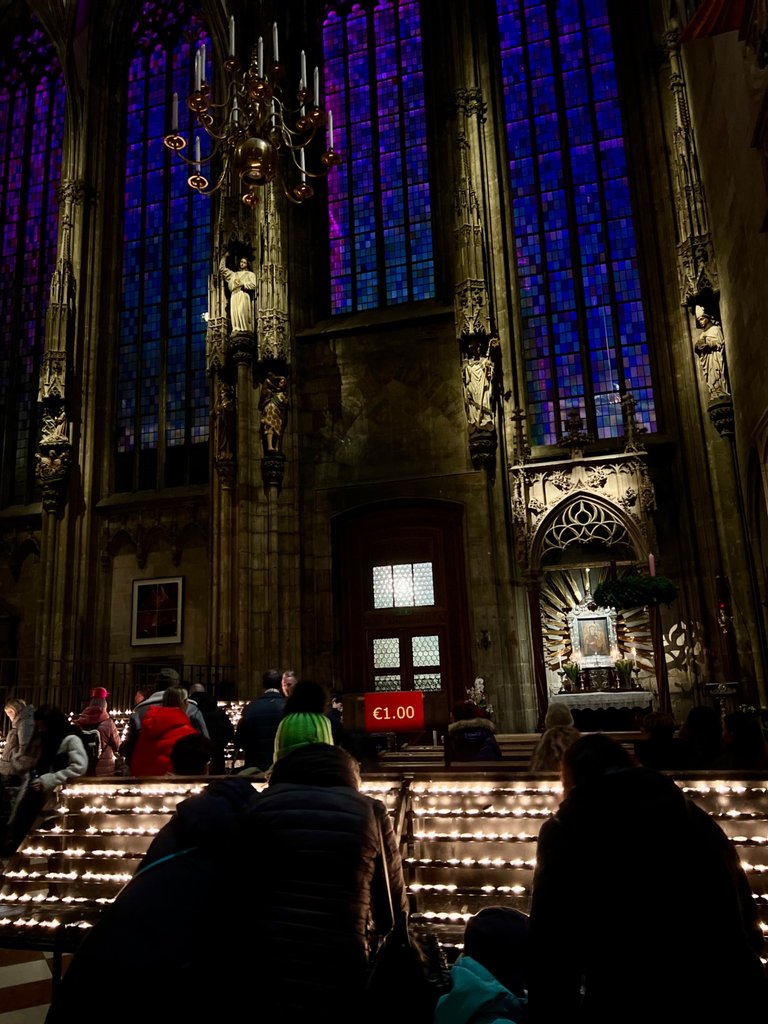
710,350
273,406
242,289
477,377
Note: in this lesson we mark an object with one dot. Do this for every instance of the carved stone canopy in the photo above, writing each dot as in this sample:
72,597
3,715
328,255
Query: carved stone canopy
577,503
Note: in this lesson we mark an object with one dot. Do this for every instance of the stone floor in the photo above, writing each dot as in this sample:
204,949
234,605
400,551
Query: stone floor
25,986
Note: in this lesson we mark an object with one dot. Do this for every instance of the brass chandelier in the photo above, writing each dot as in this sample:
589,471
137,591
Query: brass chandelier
254,130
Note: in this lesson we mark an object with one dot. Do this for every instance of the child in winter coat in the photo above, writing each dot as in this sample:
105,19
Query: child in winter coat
488,980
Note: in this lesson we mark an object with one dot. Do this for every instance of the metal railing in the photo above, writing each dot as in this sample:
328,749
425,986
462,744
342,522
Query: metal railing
68,683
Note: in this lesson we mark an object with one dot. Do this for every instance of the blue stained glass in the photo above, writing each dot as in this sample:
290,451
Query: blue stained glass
157,328
583,164
369,261
558,142
31,126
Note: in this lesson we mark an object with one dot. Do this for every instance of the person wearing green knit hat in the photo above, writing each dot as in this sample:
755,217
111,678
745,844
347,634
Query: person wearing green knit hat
300,729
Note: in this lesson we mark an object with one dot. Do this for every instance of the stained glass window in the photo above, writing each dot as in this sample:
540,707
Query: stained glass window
379,202
583,329
162,391
31,129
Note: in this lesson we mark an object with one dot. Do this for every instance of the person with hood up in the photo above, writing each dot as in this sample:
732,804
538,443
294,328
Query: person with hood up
95,716
488,979
14,759
471,737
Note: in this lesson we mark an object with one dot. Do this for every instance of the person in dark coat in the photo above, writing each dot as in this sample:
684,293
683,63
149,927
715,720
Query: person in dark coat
178,914
220,729
317,861
470,736
298,866
255,732
702,736
659,748
640,907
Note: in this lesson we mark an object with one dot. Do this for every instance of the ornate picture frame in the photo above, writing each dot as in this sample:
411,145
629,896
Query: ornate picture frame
593,636
156,611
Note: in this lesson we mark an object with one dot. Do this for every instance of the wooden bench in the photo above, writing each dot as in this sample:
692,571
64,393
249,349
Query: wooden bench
516,750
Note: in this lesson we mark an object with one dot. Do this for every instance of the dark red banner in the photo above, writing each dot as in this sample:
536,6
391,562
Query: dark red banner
401,711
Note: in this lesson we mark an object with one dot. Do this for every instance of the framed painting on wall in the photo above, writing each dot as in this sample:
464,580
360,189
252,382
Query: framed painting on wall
593,636
157,611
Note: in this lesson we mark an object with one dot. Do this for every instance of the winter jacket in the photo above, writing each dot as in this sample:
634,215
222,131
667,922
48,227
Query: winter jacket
473,739
178,913
318,877
220,729
70,762
639,898
94,718
476,997
137,717
14,759
255,733
161,728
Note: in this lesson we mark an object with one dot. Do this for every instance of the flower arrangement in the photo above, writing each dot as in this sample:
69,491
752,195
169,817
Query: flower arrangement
624,669
632,591
476,693
572,670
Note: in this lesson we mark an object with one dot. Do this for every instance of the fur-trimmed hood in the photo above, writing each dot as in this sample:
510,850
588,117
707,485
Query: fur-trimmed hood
472,725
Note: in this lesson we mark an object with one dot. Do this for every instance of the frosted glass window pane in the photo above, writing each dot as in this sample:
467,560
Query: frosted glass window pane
427,681
426,651
423,586
386,683
403,586
383,592
402,577
386,652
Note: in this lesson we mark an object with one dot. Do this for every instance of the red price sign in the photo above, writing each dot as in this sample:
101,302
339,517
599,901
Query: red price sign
394,712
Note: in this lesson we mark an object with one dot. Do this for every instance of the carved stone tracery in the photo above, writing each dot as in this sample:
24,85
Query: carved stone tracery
557,504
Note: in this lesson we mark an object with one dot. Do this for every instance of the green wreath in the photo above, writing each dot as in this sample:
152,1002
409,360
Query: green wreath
632,591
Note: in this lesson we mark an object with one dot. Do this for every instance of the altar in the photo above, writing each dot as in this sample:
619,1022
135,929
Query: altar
608,710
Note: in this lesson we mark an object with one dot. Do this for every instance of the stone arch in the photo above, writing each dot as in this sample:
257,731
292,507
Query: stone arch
584,518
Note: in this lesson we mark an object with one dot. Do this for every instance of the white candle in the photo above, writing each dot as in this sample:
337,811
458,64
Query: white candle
634,655
260,62
303,67
175,114
232,35
317,86
651,565
302,166
275,52
301,89
197,149
235,110
197,71
330,129
202,63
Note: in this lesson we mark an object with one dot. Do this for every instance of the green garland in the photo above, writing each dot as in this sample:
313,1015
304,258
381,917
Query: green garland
633,591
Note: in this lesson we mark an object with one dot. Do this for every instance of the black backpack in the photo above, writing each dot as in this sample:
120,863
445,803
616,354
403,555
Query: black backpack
92,742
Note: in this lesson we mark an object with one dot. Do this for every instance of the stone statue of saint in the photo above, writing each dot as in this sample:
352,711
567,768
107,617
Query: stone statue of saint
477,375
242,287
55,428
273,405
224,422
710,349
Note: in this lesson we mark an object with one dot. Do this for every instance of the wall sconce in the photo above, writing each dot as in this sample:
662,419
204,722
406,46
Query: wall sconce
485,639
